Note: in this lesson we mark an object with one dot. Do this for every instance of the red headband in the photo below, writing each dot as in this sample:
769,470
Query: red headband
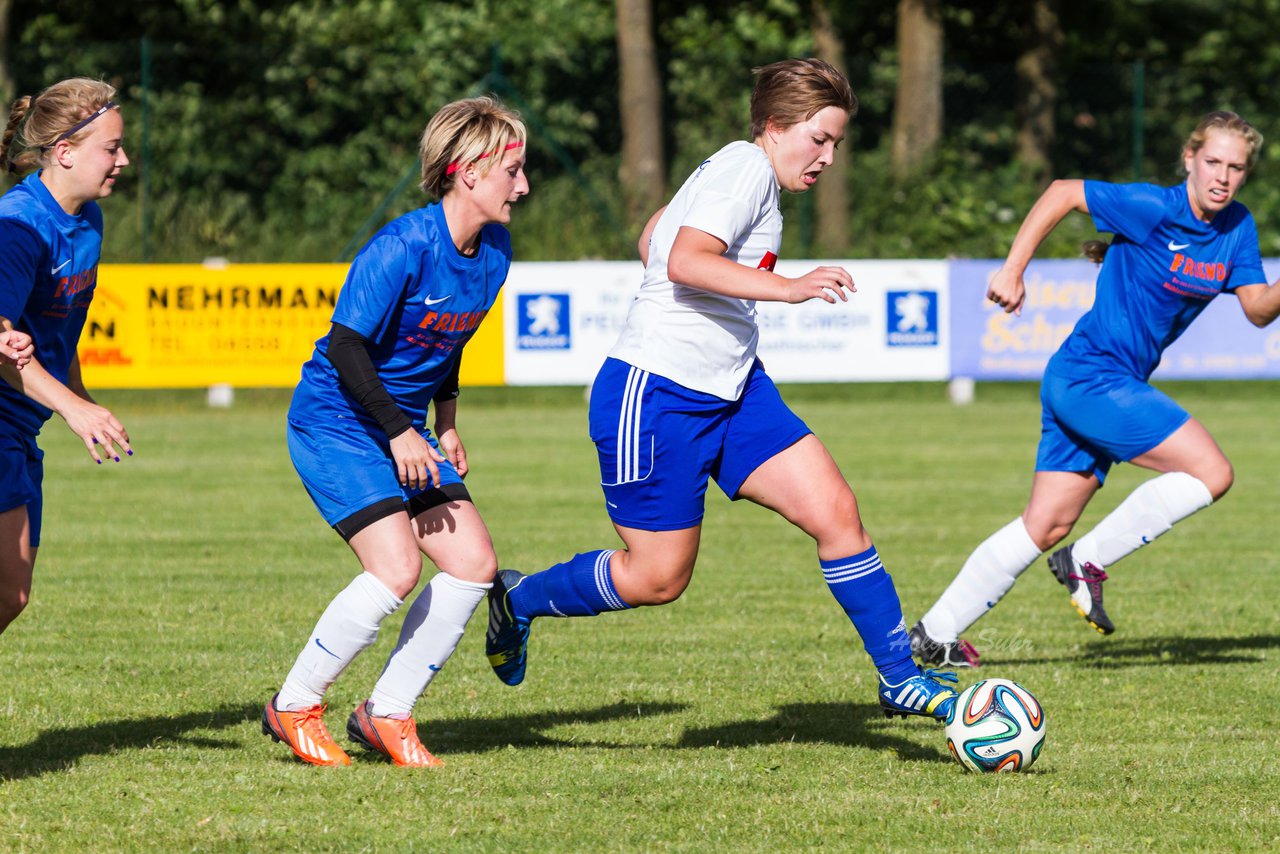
455,165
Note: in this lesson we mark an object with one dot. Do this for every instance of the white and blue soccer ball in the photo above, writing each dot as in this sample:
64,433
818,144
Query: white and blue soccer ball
996,725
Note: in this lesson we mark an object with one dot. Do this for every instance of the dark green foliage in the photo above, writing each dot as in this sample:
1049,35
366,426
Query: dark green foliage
280,130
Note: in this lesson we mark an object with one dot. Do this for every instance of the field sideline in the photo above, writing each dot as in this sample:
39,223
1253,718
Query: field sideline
173,591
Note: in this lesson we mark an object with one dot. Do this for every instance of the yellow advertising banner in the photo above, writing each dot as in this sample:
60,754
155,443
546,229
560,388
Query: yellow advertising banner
247,325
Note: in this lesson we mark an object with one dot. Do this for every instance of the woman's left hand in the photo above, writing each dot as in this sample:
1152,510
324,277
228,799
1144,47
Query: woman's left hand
453,449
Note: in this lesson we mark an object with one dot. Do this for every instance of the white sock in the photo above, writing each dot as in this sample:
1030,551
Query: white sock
1149,511
983,580
431,632
347,626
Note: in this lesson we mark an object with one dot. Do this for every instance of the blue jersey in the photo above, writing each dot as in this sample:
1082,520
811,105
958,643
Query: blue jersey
417,301
1163,268
48,270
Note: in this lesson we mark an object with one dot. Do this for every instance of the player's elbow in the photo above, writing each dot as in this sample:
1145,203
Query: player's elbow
1259,319
678,265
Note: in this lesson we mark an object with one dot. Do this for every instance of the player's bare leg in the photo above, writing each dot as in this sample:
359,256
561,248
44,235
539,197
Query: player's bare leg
17,562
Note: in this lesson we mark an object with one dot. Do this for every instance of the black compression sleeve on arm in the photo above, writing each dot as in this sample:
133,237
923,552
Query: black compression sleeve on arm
349,353
448,389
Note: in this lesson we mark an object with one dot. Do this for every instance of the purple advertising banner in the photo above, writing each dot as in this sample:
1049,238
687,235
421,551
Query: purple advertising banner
988,344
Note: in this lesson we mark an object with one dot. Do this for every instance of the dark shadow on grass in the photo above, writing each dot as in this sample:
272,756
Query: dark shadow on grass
59,749
1173,651
480,735
822,723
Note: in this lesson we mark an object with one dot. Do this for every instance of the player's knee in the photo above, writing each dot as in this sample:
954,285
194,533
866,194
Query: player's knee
836,525
401,574
1047,534
12,603
477,567
662,592
1220,478
651,582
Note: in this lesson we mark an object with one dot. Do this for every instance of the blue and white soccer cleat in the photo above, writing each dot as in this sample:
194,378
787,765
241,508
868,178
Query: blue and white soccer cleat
1085,586
919,695
506,642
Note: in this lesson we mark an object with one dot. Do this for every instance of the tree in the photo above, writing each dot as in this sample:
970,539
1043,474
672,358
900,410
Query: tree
1038,89
917,110
6,77
640,105
832,193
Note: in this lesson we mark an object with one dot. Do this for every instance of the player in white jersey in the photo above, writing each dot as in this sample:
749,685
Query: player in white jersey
682,398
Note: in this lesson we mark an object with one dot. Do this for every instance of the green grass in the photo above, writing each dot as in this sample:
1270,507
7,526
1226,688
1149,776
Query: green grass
173,591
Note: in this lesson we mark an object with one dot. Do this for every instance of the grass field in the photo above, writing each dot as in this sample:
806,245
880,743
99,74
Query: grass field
173,591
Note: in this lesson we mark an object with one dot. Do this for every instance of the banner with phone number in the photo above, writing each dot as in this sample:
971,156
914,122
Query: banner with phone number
247,325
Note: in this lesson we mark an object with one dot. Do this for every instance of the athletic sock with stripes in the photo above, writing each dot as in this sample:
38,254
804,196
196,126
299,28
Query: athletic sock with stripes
581,587
866,592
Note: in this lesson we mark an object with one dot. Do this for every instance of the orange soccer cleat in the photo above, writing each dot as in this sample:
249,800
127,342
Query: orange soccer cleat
396,738
305,733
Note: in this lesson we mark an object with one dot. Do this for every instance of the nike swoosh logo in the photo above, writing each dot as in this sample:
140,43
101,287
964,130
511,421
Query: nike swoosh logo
1175,247
322,646
429,301
55,270
433,668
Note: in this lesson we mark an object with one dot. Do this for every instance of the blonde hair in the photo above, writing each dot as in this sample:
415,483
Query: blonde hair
795,90
1227,122
1224,121
38,121
473,130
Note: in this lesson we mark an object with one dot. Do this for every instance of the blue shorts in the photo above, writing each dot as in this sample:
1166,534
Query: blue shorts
347,468
658,442
21,474
1087,424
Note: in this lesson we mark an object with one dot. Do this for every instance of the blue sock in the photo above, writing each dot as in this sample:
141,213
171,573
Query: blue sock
866,592
580,587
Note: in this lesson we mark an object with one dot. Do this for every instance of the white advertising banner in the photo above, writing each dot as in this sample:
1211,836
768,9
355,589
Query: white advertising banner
894,328
562,318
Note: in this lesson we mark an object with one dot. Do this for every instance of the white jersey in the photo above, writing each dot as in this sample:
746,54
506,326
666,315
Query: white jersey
705,341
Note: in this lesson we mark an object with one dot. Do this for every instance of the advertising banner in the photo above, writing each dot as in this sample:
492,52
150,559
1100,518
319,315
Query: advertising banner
988,344
187,325
893,328
563,318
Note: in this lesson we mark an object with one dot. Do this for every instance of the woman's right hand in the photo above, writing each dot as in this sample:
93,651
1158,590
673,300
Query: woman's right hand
826,283
97,428
1007,290
16,347
415,460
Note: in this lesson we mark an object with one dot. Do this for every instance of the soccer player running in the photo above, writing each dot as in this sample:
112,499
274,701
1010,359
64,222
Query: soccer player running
358,438
1175,249
683,398
50,243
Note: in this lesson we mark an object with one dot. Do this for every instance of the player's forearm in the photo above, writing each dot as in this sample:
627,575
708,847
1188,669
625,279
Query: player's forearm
41,386
1061,198
717,274
446,412
1261,303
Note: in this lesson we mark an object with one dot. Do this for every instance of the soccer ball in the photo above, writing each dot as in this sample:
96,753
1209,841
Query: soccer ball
996,725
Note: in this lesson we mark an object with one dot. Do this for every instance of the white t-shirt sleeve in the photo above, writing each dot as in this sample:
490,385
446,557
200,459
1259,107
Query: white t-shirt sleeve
728,199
